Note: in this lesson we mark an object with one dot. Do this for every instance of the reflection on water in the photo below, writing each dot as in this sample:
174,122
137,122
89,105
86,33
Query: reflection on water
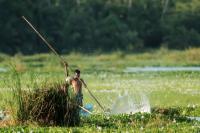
158,69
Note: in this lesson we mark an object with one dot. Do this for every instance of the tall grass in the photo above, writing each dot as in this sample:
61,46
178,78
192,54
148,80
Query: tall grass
48,105
51,106
17,94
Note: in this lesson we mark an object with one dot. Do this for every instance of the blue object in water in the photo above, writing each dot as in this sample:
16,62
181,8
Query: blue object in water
89,107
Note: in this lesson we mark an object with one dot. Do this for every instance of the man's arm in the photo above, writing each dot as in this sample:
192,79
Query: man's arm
69,80
66,69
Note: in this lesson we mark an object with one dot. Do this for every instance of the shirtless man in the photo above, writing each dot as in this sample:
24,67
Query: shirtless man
76,83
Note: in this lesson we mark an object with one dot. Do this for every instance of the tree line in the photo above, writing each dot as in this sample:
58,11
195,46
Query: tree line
99,25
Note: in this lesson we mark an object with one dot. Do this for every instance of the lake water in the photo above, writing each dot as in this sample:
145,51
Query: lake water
194,118
159,69
3,69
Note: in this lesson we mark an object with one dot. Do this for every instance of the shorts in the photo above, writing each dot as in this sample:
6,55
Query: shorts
79,99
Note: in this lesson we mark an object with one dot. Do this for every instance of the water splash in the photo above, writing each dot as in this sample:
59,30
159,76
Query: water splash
130,103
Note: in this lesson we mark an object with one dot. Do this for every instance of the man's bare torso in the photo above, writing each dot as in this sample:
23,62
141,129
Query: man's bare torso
77,85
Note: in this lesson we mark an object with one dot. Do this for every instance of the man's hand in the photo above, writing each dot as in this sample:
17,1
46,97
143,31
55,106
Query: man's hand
65,64
66,68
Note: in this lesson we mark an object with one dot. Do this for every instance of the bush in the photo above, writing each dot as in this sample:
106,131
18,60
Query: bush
49,106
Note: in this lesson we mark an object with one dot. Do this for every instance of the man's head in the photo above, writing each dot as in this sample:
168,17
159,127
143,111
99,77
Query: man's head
77,73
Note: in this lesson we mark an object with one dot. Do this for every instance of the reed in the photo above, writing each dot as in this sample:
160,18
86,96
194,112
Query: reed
49,105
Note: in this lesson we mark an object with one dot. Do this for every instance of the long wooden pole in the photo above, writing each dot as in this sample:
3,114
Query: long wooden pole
95,99
49,45
92,95
85,109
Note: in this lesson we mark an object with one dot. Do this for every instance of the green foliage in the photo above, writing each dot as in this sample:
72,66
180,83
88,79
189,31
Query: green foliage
140,122
99,25
17,94
173,95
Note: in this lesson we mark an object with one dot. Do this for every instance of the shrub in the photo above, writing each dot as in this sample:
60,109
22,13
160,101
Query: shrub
49,106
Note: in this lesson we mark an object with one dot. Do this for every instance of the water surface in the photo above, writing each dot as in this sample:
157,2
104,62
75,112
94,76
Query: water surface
3,69
194,118
159,69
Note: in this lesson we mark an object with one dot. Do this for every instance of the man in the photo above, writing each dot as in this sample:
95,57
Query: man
76,83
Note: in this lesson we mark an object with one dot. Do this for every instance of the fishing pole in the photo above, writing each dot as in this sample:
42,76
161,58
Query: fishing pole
60,57
85,109
95,99
48,44
54,51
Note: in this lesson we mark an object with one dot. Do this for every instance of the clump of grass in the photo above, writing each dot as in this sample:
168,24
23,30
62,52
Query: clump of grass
19,65
171,112
49,106
193,54
3,57
110,57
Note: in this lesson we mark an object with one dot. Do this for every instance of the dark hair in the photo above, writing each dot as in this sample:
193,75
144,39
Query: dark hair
77,71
